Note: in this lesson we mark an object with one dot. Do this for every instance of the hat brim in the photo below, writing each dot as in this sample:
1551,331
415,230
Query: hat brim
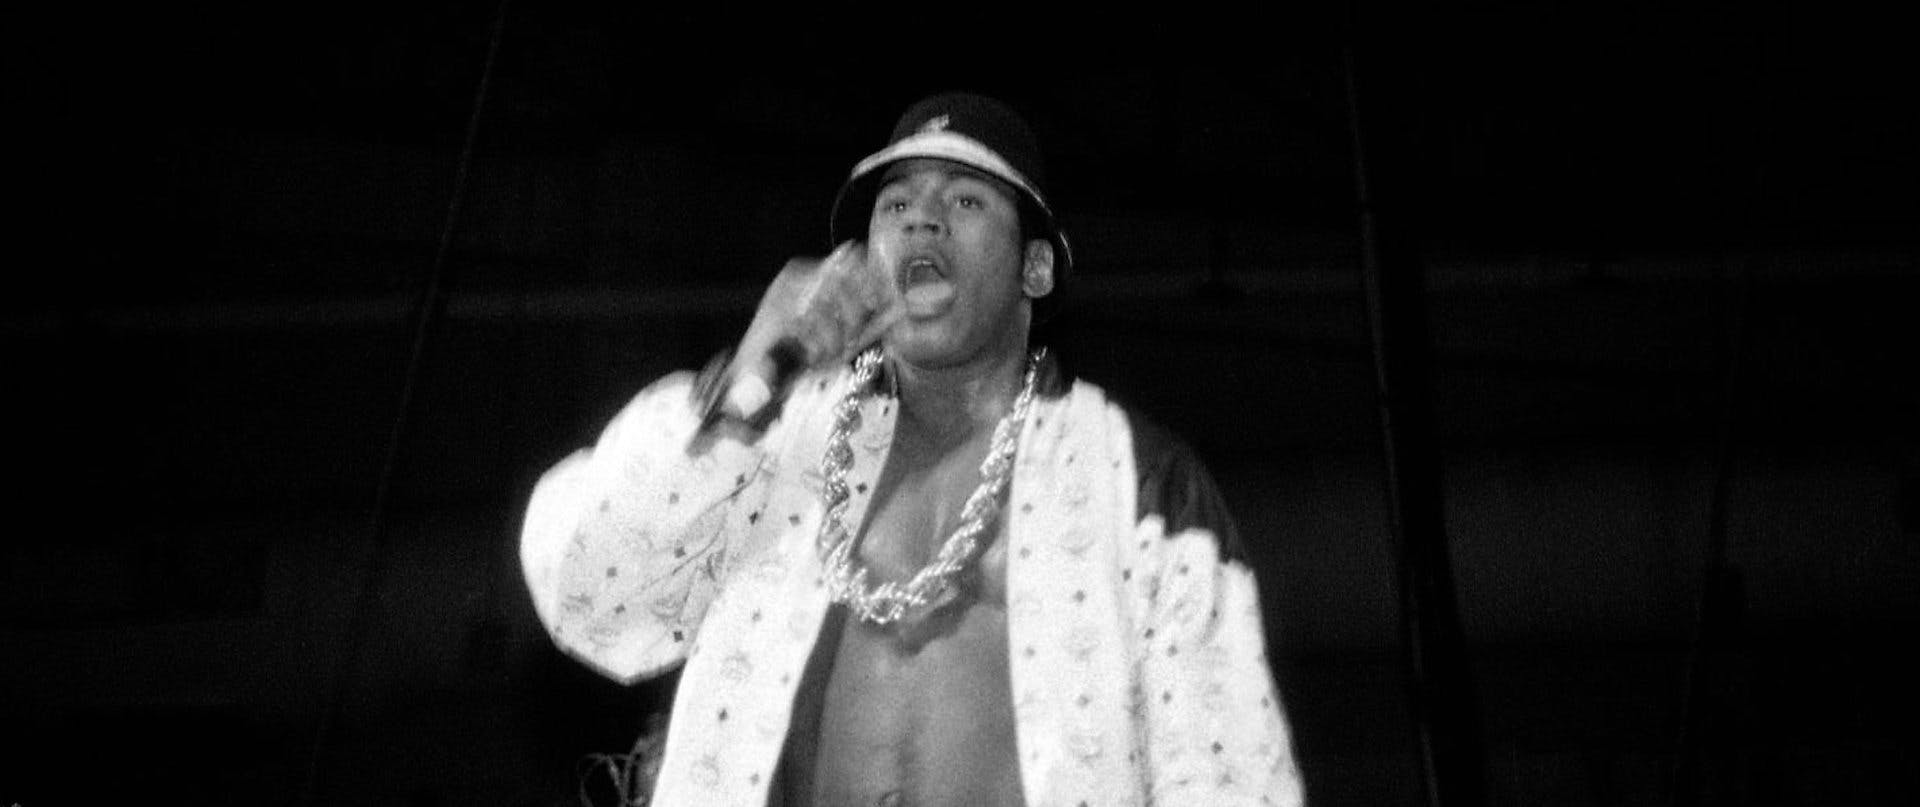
853,206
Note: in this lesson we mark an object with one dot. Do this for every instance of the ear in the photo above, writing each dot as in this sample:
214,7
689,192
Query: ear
1036,276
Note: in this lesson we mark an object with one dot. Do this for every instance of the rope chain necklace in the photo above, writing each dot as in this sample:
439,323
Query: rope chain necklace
846,576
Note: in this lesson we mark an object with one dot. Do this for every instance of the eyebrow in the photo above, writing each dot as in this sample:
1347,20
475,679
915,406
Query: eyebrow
951,171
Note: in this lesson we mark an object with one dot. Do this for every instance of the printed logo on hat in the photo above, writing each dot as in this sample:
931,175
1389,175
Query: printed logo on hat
937,123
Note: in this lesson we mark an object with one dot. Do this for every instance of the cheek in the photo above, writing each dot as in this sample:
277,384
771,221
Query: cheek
995,244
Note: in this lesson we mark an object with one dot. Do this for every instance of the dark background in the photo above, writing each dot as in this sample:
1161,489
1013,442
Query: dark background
1670,261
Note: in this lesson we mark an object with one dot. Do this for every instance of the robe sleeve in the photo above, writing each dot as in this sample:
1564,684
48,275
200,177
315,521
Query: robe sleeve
625,545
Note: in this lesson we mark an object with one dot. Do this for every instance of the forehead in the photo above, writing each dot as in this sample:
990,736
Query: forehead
932,168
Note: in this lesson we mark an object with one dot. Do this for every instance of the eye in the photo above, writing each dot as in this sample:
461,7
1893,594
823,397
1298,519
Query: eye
970,202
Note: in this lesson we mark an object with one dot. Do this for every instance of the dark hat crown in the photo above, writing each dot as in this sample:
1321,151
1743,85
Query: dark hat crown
986,120
975,130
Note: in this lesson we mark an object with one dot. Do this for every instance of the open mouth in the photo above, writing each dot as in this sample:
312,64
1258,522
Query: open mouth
923,282
919,269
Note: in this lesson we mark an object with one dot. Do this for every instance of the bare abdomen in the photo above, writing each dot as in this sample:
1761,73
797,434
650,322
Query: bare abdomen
920,715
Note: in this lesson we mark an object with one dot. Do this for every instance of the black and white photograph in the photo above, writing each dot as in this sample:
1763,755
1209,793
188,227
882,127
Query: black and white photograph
609,404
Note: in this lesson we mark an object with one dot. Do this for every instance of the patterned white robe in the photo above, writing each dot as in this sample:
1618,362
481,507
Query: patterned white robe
1135,647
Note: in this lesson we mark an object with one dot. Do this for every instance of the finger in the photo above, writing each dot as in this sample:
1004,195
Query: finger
857,296
828,317
863,283
810,298
829,301
876,327
883,290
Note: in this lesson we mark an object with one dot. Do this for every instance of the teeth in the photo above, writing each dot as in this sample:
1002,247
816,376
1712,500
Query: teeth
922,269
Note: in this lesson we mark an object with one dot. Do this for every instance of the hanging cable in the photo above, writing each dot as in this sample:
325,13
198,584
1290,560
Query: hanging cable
1441,690
428,308
1709,666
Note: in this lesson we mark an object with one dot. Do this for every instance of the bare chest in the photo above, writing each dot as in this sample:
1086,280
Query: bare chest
916,509
919,712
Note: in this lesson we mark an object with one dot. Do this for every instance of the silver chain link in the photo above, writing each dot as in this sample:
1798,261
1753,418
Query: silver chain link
846,576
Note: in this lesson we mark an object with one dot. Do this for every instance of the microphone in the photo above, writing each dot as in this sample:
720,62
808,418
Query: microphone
756,387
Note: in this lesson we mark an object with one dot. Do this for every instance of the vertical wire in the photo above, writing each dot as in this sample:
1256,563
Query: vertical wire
1721,597
1446,725
426,313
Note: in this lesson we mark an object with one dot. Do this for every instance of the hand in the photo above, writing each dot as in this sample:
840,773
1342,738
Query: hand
832,307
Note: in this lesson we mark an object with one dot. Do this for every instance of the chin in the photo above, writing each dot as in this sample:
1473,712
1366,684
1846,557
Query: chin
924,349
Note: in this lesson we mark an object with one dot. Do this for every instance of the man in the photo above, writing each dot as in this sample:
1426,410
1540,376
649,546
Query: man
929,570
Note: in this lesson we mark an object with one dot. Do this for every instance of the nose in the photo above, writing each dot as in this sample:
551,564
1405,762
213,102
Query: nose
926,214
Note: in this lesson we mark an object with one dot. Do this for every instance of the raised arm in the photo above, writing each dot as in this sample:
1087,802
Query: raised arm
625,544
